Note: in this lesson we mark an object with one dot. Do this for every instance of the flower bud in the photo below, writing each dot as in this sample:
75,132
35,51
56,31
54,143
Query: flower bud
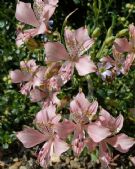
109,40
128,5
121,33
96,32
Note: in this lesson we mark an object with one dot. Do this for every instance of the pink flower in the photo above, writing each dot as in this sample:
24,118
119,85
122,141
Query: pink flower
37,17
113,124
120,142
38,82
47,123
104,68
29,76
77,42
82,113
123,45
51,85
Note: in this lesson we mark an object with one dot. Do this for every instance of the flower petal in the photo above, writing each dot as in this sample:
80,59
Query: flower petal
60,146
85,66
25,14
97,133
55,52
122,45
17,76
66,71
37,95
64,128
83,40
30,137
104,155
90,144
119,123
78,142
128,62
121,142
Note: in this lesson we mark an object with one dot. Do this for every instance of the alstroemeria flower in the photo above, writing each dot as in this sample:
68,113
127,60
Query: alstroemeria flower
114,124
121,142
82,113
37,17
104,69
77,42
121,64
30,76
123,45
47,123
40,83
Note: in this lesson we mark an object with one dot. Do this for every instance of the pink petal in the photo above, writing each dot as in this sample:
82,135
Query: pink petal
42,29
122,45
121,142
104,155
75,108
17,76
49,10
119,123
39,78
53,2
37,95
28,64
90,144
78,142
128,62
45,154
85,66
46,115
30,137
97,133
25,14
70,39
81,102
105,117
60,146
114,124
55,52
93,108
83,40
64,128
66,71
24,36
26,88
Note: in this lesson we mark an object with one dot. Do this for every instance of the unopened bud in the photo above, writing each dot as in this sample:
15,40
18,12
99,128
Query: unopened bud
109,40
121,33
128,5
96,32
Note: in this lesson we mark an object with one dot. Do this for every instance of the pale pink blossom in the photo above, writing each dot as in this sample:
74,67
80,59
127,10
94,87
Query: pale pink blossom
47,124
104,69
120,142
38,17
40,83
77,43
29,76
123,45
82,113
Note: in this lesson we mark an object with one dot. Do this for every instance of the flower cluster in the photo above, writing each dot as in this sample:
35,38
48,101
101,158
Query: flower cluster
122,58
90,125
